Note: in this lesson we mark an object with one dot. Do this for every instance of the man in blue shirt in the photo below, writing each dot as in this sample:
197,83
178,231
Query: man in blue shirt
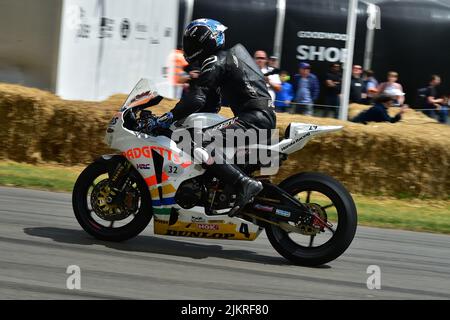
306,89
378,113
370,86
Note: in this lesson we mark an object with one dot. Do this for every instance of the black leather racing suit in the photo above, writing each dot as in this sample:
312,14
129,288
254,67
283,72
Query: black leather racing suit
233,76
212,103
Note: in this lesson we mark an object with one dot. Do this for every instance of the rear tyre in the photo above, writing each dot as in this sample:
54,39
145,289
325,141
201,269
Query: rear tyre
345,214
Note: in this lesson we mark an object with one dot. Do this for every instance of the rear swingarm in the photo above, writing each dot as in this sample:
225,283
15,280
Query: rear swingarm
274,202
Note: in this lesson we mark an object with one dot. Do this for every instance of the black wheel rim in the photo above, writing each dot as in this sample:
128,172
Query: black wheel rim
329,203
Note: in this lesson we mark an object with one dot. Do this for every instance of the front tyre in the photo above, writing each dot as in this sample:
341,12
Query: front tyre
120,220
316,243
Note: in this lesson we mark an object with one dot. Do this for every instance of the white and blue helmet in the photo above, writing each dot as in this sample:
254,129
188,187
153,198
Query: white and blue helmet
202,38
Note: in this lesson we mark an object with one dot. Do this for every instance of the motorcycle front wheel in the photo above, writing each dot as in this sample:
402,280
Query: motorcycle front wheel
320,240
118,220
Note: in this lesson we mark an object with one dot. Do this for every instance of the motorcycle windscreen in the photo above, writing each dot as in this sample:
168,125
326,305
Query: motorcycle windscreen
143,95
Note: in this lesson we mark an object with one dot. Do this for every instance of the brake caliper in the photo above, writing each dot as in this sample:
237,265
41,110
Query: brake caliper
110,206
314,223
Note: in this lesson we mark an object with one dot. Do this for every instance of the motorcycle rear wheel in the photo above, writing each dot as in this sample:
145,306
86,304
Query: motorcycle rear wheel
341,236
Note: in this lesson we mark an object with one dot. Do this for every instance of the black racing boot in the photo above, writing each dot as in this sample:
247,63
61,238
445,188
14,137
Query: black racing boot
246,187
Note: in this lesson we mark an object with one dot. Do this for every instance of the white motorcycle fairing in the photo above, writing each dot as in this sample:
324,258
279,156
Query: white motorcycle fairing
165,167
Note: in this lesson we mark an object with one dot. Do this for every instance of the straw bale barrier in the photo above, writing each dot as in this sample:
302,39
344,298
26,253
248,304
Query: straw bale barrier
410,158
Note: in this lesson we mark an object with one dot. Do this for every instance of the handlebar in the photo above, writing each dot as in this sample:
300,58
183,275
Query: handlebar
131,121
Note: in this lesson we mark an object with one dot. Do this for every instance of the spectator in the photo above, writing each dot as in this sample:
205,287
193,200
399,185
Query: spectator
397,94
272,80
392,78
432,101
333,80
285,95
177,75
378,113
370,86
446,107
306,89
357,85
274,65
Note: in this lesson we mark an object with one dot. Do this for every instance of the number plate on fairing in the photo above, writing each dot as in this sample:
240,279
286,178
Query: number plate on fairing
173,169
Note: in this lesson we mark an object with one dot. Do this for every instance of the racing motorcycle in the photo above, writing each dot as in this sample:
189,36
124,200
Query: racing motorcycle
309,218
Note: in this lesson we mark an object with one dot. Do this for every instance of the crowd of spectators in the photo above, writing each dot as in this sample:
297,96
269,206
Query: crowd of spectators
300,92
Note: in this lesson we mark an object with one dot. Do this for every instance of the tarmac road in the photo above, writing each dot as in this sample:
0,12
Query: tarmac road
40,238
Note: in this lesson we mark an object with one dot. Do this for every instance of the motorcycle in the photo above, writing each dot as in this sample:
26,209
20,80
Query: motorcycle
309,218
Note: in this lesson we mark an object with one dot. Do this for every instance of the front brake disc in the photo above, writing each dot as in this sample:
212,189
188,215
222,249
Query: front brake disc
111,207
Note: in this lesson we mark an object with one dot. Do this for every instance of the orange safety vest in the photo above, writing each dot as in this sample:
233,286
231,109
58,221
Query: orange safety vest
176,66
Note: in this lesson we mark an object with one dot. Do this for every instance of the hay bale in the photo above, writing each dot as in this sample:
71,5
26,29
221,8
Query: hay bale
411,157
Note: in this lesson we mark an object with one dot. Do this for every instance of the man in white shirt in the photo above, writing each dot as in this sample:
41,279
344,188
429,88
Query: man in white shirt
273,81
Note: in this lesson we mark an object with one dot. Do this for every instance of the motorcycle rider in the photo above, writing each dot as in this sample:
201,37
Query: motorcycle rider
230,74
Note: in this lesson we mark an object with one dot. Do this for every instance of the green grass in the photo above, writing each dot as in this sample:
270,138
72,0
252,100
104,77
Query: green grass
417,215
408,214
44,177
